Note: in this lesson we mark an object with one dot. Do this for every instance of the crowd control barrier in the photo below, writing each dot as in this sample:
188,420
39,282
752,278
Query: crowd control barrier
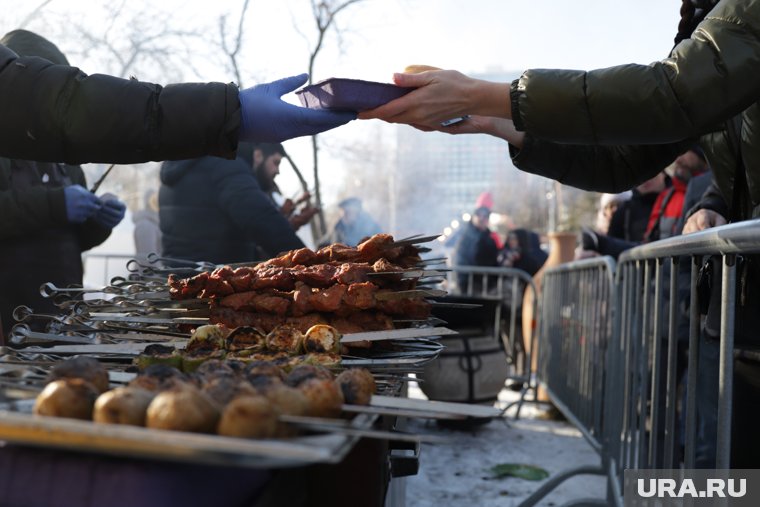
613,355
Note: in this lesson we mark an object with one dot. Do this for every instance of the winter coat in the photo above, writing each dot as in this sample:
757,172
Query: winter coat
630,220
57,113
611,129
37,243
666,212
214,210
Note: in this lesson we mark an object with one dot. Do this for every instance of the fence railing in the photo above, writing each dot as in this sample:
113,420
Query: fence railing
635,422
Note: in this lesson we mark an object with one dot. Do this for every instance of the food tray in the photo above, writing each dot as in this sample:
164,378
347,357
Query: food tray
18,425
342,94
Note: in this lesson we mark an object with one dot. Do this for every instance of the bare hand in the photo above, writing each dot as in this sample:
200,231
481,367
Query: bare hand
703,219
442,95
303,218
288,207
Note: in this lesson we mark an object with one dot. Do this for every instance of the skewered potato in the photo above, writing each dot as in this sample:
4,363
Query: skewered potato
83,367
68,397
287,400
304,372
325,397
357,385
182,408
123,405
321,338
158,377
249,417
223,389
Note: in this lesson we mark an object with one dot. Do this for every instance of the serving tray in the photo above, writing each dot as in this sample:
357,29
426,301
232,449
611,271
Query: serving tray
21,427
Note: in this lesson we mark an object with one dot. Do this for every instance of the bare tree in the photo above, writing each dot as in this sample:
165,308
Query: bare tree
324,13
232,50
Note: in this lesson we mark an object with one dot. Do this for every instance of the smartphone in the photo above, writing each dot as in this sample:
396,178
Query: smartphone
454,121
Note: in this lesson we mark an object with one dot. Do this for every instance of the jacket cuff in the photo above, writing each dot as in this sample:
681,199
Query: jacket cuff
514,96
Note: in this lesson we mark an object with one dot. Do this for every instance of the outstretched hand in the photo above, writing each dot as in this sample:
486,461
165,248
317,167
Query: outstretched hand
442,95
265,117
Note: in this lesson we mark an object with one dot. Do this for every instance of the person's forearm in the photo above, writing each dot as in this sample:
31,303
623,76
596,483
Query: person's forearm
491,99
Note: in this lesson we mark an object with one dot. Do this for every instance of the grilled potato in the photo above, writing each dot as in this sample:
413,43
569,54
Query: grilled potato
123,405
182,408
68,397
249,417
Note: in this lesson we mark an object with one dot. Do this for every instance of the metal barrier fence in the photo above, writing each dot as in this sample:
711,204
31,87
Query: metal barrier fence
508,286
574,327
635,422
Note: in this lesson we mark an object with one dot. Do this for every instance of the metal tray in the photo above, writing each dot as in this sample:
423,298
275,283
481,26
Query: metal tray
342,94
19,426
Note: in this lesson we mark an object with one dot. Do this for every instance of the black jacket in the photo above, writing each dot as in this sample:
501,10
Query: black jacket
213,210
630,220
56,113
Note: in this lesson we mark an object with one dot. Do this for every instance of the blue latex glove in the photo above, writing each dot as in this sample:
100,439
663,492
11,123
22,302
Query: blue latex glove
81,204
110,214
267,118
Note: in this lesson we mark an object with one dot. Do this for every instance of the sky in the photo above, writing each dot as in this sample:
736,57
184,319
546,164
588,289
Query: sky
380,37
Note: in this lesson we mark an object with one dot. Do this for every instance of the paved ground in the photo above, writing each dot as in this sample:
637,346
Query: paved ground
457,474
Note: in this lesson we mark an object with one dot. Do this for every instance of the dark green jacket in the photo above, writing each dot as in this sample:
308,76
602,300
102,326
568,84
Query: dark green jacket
610,129
56,113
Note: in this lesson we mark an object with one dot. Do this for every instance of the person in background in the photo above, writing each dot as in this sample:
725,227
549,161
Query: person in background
608,205
213,210
147,231
266,166
522,250
475,246
666,211
56,113
47,216
630,220
354,224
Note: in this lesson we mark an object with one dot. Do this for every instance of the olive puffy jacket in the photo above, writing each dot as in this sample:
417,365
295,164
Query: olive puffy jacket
610,129
56,113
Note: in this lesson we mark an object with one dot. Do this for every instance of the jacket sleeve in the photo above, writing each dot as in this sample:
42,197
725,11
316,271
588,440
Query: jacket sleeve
251,210
56,113
592,167
706,80
28,211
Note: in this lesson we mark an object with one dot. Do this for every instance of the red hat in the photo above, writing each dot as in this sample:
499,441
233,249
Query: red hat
485,200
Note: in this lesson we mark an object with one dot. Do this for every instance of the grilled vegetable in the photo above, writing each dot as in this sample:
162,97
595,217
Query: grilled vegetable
322,338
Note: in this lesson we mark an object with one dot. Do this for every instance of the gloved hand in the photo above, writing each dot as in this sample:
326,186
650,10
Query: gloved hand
267,118
110,214
81,204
